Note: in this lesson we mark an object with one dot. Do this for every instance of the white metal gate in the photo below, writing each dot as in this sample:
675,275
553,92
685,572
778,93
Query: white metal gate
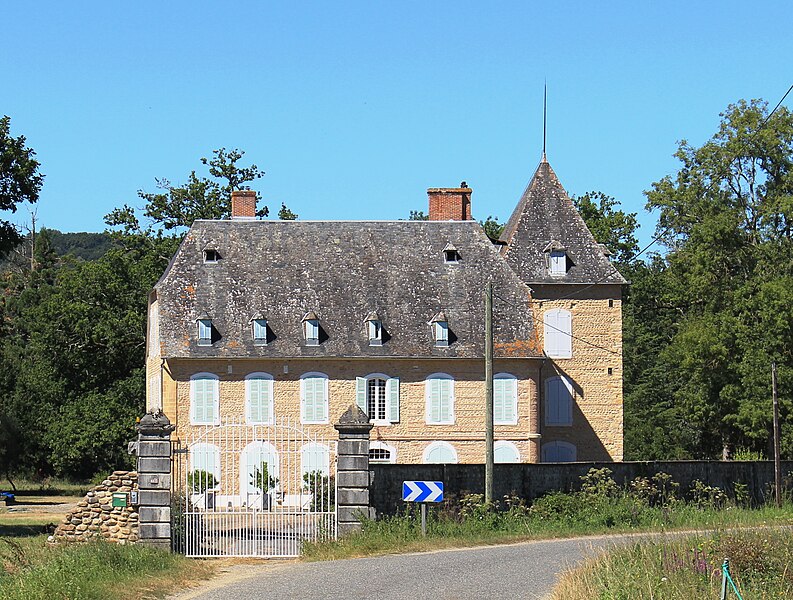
253,490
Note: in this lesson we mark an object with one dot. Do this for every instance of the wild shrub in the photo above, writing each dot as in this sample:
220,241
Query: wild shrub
707,496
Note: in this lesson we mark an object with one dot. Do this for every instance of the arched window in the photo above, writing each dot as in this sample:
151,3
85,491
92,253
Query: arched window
505,399
314,398
439,394
204,467
259,470
378,396
505,452
380,452
204,399
558,401
315,458
558,333
440,453
558,452
259,398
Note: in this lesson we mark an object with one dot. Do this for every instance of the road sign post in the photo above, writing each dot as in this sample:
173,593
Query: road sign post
423,492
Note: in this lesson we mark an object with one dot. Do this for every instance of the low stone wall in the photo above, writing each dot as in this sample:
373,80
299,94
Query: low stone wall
529,481
96,517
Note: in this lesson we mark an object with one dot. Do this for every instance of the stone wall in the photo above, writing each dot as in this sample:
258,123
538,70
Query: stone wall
530,481
595,368
95,517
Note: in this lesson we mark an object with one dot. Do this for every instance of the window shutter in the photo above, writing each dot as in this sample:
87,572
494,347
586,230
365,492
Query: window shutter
564,319
498,400
360,393
308,399
445,400
435,400
392,393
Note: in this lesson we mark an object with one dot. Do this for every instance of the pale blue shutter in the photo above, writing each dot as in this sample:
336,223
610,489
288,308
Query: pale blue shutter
360,394
564,322
445,400
392,393
498,400
308,399
510,399
435,400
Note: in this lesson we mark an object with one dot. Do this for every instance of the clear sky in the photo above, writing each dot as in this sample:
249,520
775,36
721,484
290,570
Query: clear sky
355,108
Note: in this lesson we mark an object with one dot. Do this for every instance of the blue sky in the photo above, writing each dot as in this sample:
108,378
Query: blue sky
354,109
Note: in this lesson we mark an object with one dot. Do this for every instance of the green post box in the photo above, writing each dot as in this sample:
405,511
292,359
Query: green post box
120,499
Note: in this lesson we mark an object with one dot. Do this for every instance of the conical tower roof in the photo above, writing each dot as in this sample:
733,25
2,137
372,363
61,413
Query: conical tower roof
545,219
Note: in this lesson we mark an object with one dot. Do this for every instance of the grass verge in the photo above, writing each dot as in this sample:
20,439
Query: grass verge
402,533
761,564
32,570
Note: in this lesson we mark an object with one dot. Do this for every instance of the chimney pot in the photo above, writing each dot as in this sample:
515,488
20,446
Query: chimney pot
243,204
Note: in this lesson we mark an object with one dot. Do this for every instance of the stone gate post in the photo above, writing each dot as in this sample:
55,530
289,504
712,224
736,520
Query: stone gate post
154,479
352,470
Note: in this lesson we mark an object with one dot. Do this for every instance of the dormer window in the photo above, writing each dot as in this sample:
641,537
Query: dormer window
211,255
311,329
204,331
440,330
374,329
450,254
558,262
556,259
259,326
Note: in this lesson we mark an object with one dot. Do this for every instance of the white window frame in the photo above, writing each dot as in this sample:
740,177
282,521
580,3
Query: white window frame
259,331
311,332
557,263
246,469
268,379
428,399
376,445
549,446
205,449
508,445
565,420
211,256
303,378
215,398
324,467
514,399
438,446
204,332
558,336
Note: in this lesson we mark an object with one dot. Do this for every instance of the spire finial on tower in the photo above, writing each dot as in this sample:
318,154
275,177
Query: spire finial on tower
544,117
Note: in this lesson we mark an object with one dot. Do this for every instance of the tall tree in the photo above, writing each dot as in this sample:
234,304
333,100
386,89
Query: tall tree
725,218
20,180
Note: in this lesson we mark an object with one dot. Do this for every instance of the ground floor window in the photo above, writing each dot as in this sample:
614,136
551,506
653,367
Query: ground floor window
440,453
558,452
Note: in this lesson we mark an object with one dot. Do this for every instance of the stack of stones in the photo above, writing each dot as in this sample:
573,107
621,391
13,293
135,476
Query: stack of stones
95,517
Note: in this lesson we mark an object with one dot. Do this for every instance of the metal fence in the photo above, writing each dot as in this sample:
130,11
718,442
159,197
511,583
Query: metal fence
253,490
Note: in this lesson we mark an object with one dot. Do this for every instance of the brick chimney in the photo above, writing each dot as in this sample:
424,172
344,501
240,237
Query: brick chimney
243,204
450,204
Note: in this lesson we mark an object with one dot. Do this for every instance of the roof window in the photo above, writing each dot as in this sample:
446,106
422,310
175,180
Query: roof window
450,254
205,330
374,329
311,328
440,330
259,330
211,256
556,259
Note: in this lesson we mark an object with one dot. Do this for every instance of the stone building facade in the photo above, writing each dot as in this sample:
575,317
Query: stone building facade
261,320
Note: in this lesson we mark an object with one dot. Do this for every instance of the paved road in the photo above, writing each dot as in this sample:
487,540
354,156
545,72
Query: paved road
526,570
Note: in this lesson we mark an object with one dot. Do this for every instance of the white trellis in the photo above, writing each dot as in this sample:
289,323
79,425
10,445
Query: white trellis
253,490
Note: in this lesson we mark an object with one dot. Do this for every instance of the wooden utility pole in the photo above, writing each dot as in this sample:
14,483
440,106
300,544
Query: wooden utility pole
777,461
489,392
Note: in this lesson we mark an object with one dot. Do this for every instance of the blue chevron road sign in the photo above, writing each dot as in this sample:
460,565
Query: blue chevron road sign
422,491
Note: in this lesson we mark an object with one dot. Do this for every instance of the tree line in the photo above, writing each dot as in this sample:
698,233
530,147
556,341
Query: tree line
710,304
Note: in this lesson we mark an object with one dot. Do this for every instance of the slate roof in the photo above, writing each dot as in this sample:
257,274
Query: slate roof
545,218
342,271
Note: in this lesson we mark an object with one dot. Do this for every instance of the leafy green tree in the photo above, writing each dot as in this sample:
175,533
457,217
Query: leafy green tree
284,214
261,478
418,215
612,227
20,180
725,219
492,227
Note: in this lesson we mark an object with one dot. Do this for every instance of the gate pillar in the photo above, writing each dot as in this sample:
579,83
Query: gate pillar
154,479
352,470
